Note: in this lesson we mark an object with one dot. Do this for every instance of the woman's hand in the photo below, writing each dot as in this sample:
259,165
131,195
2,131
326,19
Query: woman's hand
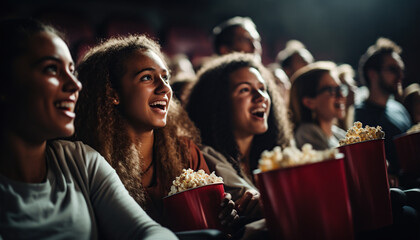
228,216
248,204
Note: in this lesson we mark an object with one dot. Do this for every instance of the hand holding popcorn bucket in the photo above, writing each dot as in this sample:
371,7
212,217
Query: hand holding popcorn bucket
367,177
194,201
305,200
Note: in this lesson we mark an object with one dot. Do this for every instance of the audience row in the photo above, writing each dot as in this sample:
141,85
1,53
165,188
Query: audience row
140,135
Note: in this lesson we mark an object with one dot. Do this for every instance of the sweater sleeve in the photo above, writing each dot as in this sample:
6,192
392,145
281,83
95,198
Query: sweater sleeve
234,184
117,213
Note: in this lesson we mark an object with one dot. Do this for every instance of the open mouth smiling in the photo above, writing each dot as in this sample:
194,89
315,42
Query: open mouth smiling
158,105
67,107
259,112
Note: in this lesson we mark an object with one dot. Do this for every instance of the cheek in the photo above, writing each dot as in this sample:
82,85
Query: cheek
134,103
237,112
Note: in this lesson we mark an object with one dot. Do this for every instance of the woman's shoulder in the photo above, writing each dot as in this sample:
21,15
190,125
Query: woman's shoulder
72,147
73,152
308,128
212,154
338,132
311,133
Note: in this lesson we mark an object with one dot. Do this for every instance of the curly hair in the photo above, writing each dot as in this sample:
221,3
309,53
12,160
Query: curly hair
100,124
209,107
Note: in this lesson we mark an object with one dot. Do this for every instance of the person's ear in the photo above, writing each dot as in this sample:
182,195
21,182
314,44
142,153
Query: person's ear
308,102
224,50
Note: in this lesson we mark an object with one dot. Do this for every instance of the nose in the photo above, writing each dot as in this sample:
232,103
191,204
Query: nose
72,84
163,86
259,96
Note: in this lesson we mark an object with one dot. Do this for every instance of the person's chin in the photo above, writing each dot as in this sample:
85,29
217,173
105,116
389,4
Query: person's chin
261,130
64,131
159,125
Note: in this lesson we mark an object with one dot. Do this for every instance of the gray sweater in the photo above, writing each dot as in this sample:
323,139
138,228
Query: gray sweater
234,184
313,134
82,198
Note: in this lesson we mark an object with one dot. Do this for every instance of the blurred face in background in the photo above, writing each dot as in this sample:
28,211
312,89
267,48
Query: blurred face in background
391,74
329,102
246,39
298,60
250,102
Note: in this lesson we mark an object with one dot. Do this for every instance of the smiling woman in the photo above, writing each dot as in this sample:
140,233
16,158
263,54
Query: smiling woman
317,100
239,114
53,188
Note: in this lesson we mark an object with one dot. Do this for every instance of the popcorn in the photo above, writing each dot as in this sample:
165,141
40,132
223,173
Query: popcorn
190,179
358,134
291,156
414,128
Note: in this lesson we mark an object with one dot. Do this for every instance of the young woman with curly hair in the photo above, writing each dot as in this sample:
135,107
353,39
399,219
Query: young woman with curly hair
126,112
49,188
239,114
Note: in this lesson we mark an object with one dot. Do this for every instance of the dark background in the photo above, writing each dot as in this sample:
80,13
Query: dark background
337,30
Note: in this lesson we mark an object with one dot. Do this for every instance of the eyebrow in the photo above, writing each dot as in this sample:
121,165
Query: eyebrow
149,69
238,84
248,83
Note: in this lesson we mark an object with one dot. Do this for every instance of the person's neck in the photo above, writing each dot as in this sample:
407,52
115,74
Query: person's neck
378,97
144,143
326,126
23,160
244,145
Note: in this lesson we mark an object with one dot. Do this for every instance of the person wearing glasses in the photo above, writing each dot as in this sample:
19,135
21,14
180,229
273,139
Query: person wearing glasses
317,100
381,69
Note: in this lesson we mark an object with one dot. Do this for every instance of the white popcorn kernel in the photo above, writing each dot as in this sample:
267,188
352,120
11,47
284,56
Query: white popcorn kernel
190,179
292,156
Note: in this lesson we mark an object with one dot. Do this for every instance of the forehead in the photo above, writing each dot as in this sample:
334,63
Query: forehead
246,75
47,44
248,31
329,79
392,59
145,58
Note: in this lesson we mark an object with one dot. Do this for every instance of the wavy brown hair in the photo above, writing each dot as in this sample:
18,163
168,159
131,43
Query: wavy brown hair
209,107
100,124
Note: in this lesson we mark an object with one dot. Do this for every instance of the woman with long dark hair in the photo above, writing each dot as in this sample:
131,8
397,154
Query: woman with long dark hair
239,115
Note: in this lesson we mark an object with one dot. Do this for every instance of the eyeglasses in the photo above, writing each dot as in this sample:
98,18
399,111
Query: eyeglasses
338,91
394,70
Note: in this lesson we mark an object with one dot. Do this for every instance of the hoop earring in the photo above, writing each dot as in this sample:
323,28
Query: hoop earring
116,101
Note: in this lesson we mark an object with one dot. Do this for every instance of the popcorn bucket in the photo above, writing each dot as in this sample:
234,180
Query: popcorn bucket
307,201
408,152
368,185
194,209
